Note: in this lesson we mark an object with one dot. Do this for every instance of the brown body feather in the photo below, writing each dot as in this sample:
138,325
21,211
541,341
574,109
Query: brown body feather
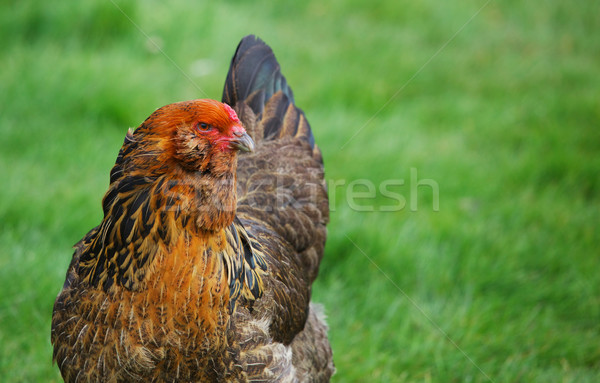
202,267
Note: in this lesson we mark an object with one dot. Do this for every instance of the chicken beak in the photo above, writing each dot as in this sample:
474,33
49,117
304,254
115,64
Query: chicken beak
242,141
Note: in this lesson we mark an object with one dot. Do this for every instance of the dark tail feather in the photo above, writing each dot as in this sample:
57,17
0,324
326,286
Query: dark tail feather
255,79
254,75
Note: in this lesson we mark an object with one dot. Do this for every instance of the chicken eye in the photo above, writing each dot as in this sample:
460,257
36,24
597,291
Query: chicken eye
203,126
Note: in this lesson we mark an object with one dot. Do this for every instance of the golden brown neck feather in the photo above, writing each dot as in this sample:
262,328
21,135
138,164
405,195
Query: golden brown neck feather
209,201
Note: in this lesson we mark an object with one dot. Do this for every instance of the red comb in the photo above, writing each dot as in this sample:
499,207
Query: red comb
232,115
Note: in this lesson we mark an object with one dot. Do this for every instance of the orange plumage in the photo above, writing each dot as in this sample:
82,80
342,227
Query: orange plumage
197,272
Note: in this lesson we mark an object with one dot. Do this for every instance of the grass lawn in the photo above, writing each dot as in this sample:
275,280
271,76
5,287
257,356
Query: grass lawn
462,149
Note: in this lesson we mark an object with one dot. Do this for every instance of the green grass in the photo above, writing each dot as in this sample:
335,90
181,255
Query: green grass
501,282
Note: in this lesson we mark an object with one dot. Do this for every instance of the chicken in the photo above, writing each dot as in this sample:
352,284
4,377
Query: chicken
213,231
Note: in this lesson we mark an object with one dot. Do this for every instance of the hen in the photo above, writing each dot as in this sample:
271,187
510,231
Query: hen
201,269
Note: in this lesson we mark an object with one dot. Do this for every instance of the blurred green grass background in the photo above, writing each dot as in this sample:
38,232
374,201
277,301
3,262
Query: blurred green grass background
501,284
